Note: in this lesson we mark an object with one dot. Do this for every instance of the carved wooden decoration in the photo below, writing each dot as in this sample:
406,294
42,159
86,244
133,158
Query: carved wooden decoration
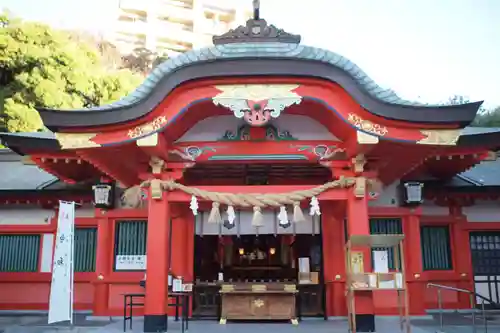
156,190
256,31
147,128
156,164
360,187
257,104
358,163
76,140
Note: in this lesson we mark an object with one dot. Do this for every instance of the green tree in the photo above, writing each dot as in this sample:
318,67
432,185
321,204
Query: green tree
111,58
484,118
488,118
44,67
143,60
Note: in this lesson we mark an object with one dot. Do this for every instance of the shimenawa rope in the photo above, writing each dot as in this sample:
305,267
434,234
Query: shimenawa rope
133,197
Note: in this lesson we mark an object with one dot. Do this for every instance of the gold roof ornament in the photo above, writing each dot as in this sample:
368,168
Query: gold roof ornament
447,137
76,140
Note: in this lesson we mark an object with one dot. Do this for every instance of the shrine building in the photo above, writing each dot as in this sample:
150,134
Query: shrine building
256,163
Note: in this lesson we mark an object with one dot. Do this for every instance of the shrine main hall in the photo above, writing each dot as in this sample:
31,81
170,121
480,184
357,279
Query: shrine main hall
273,179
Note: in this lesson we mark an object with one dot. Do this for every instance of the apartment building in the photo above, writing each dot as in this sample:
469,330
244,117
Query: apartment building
175,26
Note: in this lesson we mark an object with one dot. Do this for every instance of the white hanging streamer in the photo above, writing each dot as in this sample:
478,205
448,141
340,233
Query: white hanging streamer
231,215
194,205
314,210
283,216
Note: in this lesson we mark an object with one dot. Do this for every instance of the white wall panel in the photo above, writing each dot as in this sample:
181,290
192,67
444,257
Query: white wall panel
483,211
46,255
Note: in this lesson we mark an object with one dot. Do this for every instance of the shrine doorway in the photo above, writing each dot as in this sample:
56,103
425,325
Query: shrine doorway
263,255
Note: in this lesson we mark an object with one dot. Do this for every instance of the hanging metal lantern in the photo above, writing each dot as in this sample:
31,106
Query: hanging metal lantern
104,195
413,193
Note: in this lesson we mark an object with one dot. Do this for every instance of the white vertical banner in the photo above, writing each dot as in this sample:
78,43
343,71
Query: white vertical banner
61,289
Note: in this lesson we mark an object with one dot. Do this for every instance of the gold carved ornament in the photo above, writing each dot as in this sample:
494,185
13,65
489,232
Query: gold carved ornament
257,92
277,96
258,303
366,125
448,137
76,140
147,128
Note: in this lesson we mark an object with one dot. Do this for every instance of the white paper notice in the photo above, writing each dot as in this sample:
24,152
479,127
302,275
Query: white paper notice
304,266
130,262
61,288
380,262
177,285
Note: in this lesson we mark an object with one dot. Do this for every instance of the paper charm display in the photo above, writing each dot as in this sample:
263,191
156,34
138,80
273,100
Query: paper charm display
314,210
231,217
283,218
194,205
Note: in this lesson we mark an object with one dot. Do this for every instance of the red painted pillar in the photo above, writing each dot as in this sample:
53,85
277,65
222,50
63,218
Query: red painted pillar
178,254
103,265
327,233
189,223
156,269
333,257
358,224
463,258
413,262
178,245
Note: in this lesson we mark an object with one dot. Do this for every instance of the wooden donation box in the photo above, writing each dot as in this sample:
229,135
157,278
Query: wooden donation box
258,301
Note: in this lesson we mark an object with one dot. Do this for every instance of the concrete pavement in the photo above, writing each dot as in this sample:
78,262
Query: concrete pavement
86,324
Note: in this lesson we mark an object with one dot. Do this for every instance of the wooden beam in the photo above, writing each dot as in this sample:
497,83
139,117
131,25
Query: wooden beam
110,166
361,143
155,145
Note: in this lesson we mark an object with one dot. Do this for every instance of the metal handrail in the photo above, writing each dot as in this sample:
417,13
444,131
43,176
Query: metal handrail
489,300
449,288
472,294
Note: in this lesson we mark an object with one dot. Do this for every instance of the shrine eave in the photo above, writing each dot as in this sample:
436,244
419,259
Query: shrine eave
263,60
477,136
26,143
46,142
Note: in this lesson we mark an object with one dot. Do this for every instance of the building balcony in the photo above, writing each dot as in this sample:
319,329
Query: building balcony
132,27
136,5
176,12
212,27
180,32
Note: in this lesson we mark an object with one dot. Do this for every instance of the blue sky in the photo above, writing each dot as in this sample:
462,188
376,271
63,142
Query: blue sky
422,49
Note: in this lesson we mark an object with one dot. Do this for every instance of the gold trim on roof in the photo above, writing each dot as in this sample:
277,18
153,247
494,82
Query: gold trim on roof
440,137
257,92
366,139
366,125
277,96
76,140
148,127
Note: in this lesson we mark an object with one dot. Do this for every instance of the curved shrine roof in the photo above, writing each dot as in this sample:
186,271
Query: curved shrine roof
258,49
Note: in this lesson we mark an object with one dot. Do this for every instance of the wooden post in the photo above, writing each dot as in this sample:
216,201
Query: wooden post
358,224
156,268
103,265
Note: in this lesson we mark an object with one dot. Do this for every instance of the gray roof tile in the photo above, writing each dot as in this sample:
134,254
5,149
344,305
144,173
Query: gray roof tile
486,173
19,176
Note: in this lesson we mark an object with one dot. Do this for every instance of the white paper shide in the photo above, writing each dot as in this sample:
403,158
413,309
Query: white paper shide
61,289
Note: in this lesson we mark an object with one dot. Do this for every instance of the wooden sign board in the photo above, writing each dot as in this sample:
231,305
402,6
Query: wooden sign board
357,258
